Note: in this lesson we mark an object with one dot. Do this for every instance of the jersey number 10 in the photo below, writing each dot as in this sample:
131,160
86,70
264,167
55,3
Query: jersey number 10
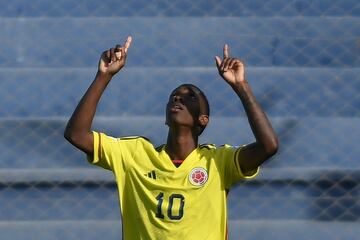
170,214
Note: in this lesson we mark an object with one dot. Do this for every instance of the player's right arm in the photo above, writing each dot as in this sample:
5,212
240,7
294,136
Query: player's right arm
78,129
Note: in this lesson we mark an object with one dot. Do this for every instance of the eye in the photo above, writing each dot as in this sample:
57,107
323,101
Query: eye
192,96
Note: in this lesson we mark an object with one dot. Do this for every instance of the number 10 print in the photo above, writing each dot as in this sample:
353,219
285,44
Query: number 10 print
171,206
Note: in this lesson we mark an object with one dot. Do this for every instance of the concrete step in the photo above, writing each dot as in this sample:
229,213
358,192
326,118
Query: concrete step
242,229
200,8
181,41
60,230
290,92
82,194
304,142
292,229
81,176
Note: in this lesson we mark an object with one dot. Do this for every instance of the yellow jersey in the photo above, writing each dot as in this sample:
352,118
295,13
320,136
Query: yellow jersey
160,201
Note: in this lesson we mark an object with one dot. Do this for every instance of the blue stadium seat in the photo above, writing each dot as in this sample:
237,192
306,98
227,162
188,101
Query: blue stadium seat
187,8
280,91
261,230
180,42
295,138
59,230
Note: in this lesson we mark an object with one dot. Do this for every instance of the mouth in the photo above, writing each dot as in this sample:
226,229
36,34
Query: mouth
175,107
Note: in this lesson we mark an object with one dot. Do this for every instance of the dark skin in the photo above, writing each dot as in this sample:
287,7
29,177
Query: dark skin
78,130
232,70
185,114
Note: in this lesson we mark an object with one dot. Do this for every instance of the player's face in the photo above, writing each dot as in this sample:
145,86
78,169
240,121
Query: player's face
183,107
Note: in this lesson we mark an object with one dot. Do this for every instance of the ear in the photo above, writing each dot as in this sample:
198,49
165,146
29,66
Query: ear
203,120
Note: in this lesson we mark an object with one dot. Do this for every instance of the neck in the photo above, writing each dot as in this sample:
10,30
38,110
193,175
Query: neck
180,143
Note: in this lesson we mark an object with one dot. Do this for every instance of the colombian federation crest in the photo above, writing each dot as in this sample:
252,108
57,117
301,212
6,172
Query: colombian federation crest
198,176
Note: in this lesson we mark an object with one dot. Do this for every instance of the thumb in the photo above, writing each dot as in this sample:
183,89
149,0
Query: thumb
218,62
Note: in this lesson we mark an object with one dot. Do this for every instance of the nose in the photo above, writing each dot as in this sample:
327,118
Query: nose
176,98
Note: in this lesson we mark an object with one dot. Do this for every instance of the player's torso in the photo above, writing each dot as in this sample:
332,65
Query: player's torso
188,201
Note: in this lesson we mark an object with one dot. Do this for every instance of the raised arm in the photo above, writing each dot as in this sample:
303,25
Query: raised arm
232,70
78,129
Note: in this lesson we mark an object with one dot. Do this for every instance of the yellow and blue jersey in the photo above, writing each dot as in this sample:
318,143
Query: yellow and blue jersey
161,201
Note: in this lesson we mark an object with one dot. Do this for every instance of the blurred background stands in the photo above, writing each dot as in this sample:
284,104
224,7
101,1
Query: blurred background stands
302,61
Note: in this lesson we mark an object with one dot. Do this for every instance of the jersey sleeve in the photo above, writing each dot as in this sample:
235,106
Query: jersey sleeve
230,168
110,152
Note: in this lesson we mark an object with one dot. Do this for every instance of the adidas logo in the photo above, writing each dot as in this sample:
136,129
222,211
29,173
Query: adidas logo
151,174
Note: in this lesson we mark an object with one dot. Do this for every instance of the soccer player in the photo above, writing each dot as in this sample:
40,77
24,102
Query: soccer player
178,190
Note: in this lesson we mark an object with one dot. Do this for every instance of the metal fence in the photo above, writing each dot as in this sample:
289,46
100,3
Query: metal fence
302,60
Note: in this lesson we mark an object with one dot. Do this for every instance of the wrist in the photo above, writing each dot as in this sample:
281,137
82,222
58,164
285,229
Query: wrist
240,85
242,89
104,75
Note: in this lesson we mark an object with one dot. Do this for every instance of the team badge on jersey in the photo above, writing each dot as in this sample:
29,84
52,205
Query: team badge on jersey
198,176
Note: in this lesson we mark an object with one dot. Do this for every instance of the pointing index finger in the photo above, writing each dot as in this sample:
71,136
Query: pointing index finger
226,51
127,43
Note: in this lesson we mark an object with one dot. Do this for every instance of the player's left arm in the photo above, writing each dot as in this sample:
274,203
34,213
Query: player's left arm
232,70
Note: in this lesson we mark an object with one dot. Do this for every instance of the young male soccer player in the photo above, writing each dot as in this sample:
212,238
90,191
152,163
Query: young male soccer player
178,190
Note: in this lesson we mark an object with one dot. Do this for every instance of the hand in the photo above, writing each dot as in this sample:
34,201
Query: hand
232,70
112,60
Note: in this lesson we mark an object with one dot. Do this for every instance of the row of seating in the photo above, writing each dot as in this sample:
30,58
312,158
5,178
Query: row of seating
180,42
327,143
282,92
79,194
129,8
241,229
